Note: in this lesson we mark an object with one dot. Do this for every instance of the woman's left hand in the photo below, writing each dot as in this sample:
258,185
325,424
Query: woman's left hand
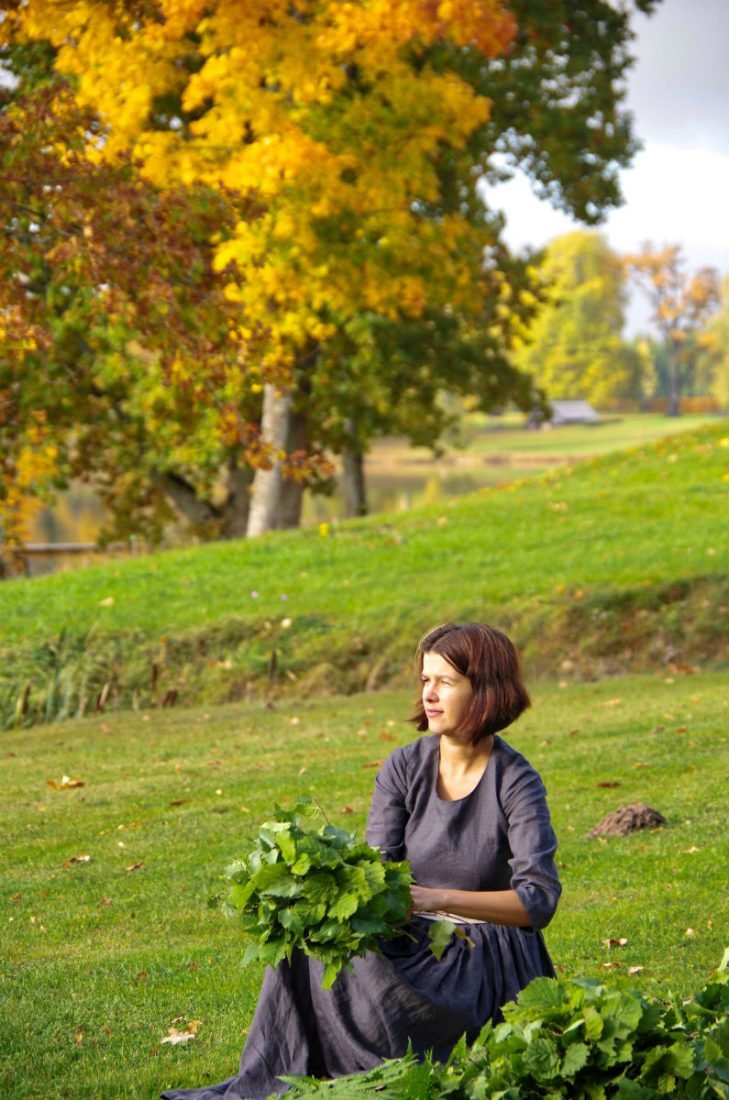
426,899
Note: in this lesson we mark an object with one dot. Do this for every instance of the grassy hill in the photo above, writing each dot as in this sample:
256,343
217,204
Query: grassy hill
620,563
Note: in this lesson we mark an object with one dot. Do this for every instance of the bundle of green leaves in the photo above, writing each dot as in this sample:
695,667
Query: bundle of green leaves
316,887
570,1038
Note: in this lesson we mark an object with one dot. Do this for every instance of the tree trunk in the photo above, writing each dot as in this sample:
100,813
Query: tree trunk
673,407
267,484
353,483
185,501
292,492
237,505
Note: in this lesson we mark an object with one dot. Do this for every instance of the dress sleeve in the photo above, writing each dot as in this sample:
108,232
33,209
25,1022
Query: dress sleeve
388,813
533,844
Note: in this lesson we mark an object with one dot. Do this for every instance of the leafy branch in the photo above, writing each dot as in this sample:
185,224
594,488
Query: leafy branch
317,888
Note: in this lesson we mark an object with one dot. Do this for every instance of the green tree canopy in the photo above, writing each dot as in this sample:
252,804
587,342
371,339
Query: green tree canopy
574,347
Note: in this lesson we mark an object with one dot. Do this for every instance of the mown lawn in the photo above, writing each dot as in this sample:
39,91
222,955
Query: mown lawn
102,955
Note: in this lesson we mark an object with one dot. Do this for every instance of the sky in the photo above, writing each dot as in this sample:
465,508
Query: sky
677,189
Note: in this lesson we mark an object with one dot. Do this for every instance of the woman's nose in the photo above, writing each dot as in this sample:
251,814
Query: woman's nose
429,692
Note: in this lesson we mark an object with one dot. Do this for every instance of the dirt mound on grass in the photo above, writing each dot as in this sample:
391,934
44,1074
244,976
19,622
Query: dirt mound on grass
628,819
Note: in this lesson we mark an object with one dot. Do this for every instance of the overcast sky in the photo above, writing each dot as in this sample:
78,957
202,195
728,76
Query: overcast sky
677,190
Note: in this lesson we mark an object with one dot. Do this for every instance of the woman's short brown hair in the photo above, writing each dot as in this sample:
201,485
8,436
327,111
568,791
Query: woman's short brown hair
490,661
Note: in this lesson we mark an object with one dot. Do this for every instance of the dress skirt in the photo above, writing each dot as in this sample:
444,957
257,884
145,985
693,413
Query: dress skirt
373,1011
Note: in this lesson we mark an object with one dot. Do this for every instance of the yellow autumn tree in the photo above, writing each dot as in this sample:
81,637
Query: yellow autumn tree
331,117
681,304
350,139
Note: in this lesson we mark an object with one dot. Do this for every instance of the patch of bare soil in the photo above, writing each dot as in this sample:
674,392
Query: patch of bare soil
628,819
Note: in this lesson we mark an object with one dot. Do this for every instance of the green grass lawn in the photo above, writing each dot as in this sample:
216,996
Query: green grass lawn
100,959
584,440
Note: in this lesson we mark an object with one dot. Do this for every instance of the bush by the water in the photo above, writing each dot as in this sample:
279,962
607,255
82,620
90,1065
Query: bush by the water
572,1038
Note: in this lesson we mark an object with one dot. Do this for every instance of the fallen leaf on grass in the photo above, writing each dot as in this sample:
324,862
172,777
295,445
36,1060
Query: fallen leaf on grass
135,866
615,941
104,902
79,1037
179,801
608,783
193,966
609,965
347,810
690,851
690,932
76,859
175,1035
65,783
636,969
372,764
640,764
612,702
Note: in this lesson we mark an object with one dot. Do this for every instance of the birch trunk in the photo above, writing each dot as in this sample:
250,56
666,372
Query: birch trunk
267,484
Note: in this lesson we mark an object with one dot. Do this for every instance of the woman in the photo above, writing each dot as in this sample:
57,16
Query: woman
470,815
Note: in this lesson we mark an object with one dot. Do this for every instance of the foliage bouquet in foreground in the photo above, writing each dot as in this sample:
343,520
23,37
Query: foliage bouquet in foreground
569,1038
314,886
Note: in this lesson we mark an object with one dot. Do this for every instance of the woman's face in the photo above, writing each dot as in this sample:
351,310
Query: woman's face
446,694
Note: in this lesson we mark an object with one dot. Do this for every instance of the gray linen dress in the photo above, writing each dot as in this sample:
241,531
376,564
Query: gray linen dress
498,837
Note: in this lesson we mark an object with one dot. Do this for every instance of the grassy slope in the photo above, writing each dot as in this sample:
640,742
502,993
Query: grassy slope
558,559
98,961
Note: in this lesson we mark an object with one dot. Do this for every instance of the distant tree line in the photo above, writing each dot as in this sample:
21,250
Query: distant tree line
575,348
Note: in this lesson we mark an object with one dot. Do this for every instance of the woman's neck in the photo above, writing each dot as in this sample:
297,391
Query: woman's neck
460,757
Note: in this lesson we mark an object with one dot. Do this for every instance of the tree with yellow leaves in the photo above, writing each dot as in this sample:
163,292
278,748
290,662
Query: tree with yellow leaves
681,304
355,136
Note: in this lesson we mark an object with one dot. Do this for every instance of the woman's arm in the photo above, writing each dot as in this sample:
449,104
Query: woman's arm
497,906
388,816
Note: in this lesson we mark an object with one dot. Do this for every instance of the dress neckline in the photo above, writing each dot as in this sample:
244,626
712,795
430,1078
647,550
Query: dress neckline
477,784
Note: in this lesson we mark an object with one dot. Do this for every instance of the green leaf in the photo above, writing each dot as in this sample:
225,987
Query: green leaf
627,1089
593,1022
541,1059
301,865
543,999
678,1060
288,887
344,907
320,886
440,935
238,895
575,1059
